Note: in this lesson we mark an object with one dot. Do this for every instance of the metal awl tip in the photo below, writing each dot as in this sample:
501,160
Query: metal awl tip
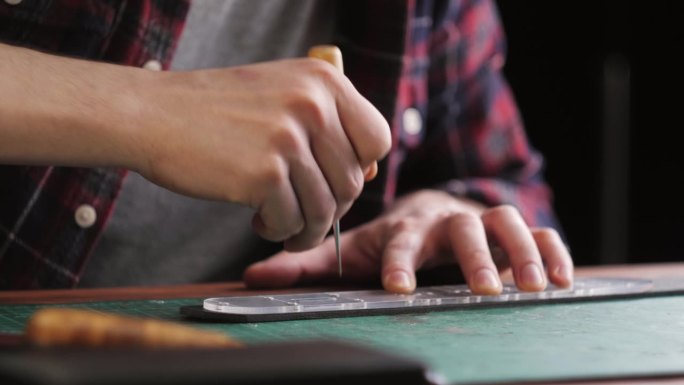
336,231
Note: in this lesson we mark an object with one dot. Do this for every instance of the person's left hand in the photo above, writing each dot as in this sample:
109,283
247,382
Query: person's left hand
427,229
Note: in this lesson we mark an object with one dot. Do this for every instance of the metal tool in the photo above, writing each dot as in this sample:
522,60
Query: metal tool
336,230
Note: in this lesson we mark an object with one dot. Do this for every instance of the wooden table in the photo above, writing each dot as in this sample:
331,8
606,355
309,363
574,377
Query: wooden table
651,271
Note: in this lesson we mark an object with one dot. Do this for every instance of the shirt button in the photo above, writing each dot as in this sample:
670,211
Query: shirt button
13,2
413,123
85,216
152,65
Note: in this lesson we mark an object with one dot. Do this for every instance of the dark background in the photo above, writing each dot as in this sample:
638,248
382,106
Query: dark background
600,90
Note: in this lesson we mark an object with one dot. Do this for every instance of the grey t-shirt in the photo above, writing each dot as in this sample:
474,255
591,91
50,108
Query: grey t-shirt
156,236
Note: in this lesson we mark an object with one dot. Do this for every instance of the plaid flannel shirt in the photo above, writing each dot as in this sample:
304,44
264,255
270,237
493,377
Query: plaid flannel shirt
433,68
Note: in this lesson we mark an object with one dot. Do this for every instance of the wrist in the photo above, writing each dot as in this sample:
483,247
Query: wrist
115,120
128,118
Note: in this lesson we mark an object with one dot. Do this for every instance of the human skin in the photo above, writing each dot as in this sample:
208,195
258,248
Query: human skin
426,229
291,139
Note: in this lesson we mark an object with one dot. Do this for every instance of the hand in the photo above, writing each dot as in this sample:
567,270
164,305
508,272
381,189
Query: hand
290,138
424,230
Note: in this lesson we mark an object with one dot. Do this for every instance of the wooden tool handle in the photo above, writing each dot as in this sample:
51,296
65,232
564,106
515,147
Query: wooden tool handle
333,55
329,53
76,327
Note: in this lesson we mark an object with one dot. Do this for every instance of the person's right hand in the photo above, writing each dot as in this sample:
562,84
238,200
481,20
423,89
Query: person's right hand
289,138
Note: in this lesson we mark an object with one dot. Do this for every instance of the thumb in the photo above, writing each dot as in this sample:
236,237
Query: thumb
288,269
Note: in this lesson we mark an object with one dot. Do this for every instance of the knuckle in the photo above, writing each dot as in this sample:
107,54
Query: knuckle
321,214
309,236
547,235
404,225
310,107
276,228
403,244
479,256
293,226
297,93
272,233
323,70
522,253
464,219
274,173
498,213
502,210
352,189
287,140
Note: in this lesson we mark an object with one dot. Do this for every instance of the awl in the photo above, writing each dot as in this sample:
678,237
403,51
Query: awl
333,55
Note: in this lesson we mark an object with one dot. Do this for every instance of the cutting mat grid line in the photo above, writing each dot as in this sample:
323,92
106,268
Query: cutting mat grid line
488,345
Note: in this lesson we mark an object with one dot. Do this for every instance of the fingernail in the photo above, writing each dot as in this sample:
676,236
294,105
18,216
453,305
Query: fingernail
398,281
565,274
485,281
531,276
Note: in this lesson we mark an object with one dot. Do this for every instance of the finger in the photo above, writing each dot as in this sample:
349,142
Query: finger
288,269
400,256
333,151
556,256
468,241
316,200
514,237
280,217
370,172
336,157
364,125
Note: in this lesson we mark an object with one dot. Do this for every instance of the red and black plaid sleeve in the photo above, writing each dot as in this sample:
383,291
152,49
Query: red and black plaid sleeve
470,140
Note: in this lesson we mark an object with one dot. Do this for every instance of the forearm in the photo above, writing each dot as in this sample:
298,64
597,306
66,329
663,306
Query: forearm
290,138
63,111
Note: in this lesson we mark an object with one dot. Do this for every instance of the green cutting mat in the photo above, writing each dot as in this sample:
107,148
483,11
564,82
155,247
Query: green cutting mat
561,341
